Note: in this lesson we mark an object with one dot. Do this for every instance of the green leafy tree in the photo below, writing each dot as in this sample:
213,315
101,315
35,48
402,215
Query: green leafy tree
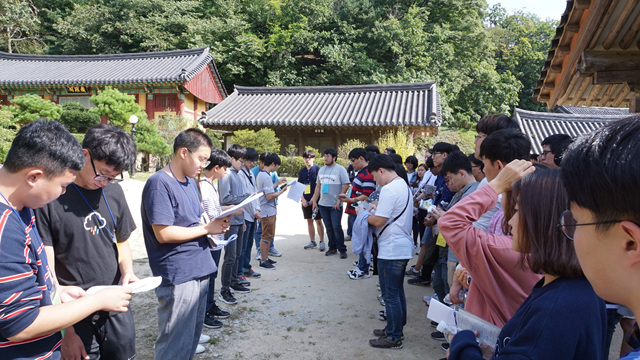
399,140
149,140
77,119
263,140
8,130
115,106
19,26
345,148
169,126
32,107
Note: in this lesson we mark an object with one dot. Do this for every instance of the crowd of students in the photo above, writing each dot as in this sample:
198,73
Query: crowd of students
533,248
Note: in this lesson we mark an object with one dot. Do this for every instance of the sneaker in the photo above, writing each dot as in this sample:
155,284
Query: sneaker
384,342
447,300
311,245
272,262
382,315
226,297
274,252
267,265
343,255
211,322
204,338
437,335
347,238
240,289
200,349
445,346
252,274
258,257
412,272
322,248
331,252
418,281
242,280
355,263
434,324
217,312
383,332
427,299
357,274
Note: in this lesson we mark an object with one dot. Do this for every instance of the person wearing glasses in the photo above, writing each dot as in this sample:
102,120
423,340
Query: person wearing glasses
552,149
600,171
85,234
562,318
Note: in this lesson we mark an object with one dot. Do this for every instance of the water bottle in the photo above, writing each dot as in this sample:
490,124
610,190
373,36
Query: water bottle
315,212
446,329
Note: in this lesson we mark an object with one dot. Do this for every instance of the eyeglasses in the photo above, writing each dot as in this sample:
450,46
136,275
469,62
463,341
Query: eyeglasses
98,177
568,224
546,153
204,161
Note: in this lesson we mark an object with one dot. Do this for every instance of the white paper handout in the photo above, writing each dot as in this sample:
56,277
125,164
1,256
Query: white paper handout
139,286
244,203
296,190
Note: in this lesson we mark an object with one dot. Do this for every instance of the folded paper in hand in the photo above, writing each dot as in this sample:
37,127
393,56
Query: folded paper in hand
235,208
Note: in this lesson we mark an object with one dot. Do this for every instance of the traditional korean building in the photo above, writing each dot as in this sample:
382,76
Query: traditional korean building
327,116
594,58
183,82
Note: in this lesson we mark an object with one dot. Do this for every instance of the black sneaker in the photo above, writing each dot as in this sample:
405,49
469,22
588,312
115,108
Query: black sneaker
343,255
240,289
383,332
434,324
384,342
226,297
445,346
267,265
211,322
331,252
418,281
437,335
217,312
272,262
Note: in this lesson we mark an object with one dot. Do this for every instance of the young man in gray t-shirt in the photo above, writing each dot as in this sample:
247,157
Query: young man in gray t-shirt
268,208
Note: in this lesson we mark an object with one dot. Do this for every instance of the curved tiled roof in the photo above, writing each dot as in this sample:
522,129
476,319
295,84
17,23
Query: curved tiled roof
538,125
416,104
112,69
593,110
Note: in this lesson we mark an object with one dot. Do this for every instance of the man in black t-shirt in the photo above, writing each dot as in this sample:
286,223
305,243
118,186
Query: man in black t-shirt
85,233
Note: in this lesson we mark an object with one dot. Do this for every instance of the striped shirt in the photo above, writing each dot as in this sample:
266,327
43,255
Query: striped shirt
363,184
25,286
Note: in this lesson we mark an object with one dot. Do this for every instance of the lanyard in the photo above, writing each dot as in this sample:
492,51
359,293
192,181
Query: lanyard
185,192
246,173
103,224
32,225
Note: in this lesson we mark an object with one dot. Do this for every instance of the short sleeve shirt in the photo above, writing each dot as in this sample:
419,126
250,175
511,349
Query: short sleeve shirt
308,177
81,225
167,201
362,184
25,286
264,183
395,243
331,180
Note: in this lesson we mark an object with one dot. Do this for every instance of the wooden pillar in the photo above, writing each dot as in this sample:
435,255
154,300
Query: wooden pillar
180,104
150,108
300,143
634,104
338,139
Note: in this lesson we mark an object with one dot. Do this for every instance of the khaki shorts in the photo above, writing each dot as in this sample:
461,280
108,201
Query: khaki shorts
268,228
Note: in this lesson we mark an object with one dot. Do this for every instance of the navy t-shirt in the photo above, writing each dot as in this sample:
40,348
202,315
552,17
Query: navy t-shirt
166,201
308,177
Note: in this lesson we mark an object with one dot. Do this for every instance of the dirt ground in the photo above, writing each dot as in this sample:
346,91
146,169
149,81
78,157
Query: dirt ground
306,309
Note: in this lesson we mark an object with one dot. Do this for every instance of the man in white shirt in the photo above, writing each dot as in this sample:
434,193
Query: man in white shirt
393,220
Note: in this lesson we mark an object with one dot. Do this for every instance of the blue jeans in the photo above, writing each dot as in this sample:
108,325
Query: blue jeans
391,276
211,299
332,223
363,264
247,244
181,310
351,218
440,281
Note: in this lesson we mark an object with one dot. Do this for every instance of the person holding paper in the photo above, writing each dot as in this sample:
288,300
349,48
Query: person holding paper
92,221
177,245
562,318
308,176
268,207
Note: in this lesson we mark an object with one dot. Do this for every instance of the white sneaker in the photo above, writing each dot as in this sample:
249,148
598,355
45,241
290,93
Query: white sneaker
204,338
357,274
200,349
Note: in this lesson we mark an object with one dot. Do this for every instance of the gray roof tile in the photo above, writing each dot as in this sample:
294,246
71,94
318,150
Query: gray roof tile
593,110
350,105
538,125
111,69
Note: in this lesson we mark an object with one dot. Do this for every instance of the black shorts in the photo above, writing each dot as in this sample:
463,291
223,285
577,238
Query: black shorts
308,212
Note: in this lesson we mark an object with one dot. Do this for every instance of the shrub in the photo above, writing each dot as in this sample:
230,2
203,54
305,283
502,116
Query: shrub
399,140
262,140
77,119
345,149
32,107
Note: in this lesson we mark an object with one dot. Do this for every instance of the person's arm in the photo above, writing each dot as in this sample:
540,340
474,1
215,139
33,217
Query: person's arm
54,318
344,189
316,195
377,221
225,186
125,263
275,194
180,234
